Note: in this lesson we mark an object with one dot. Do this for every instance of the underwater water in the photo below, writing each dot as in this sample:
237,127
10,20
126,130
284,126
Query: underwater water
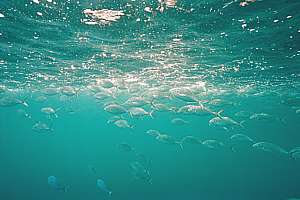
149,99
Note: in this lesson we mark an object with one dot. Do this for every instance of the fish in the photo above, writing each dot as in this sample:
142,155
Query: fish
179,121
261,117
243,114
93,169
153,132
23,113
54,183
213,144
221,103
2,89
50,91
269,147
41,127
122,123
225,123
115,109
136,102
295,153
140,172
95,88
198,110
126,147
186,98
101,184
103,95
69,91
167,139
238,141
139,112
12,101
105,83
114,118
160,107
191,140
241,138
50,111
292,101
40,98
144,160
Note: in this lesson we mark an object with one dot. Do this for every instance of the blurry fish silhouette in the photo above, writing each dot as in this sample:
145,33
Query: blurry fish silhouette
54,183
93,169
101,184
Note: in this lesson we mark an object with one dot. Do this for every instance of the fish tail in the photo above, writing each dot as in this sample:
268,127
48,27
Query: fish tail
182,140
151,114
233,149
218,114
292,151
152,102
180,144
114,93
241,124
77,94
24,103
61,188
290,154
65,189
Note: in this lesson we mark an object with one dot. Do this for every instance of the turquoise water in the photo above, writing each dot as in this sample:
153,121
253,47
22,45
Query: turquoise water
149,99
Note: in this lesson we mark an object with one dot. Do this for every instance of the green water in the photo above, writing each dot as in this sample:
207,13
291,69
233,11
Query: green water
201,72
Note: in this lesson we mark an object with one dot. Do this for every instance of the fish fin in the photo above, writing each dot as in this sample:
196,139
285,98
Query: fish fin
109,193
